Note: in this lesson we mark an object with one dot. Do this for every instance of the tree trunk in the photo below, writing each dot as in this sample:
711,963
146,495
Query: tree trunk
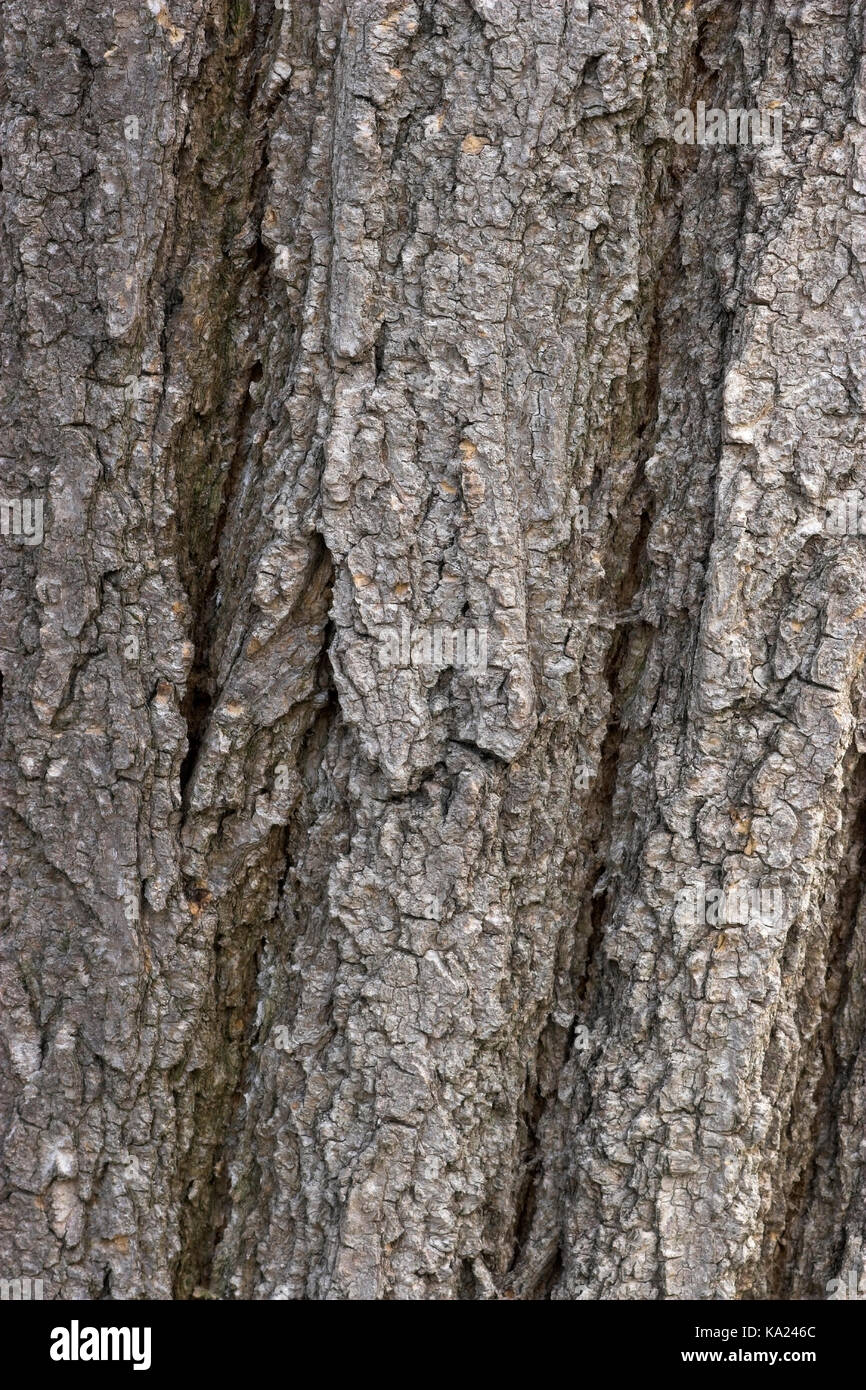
436,611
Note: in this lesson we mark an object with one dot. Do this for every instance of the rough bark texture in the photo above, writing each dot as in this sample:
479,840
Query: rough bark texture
322,980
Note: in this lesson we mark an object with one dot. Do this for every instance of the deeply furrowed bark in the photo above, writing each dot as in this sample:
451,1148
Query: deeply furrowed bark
325,980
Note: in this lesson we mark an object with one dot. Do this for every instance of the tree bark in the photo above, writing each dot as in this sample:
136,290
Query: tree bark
327,978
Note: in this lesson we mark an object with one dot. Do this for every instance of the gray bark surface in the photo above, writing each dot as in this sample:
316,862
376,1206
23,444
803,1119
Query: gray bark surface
321,980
